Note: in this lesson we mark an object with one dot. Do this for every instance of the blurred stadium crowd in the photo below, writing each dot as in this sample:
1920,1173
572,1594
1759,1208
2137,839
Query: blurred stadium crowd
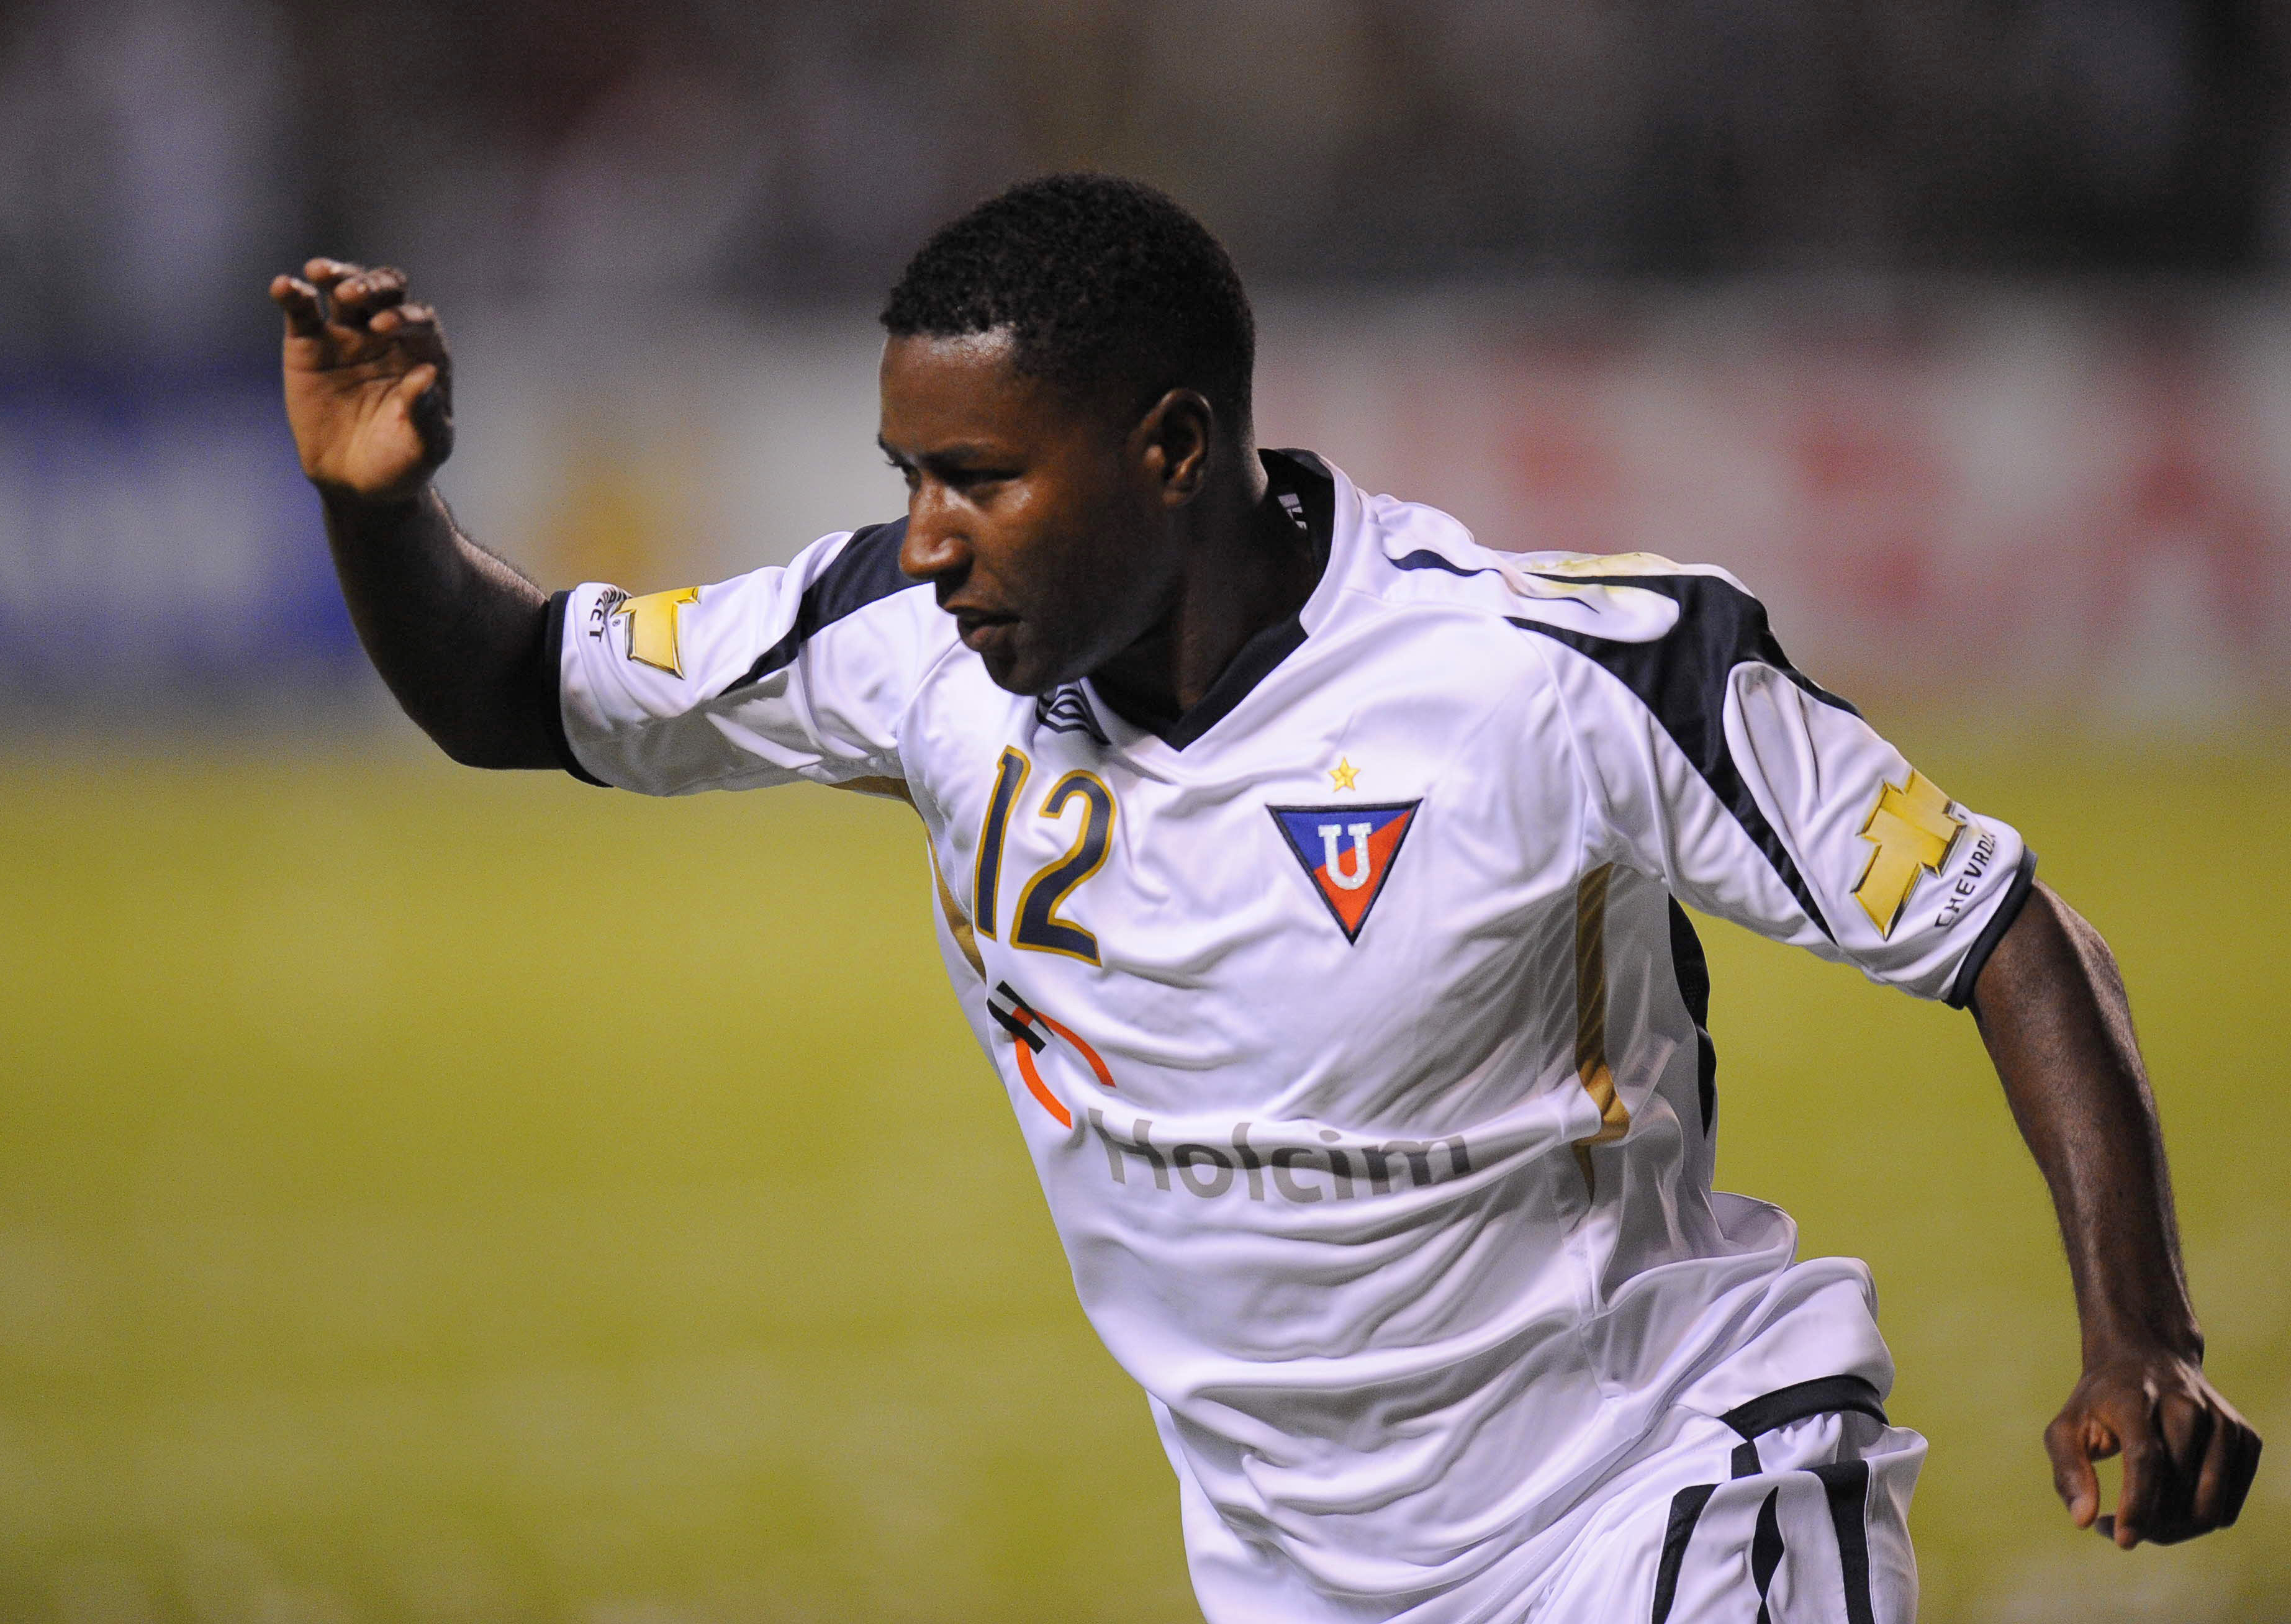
1863,298
160,156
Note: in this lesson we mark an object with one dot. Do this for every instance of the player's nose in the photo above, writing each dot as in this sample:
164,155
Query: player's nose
935,548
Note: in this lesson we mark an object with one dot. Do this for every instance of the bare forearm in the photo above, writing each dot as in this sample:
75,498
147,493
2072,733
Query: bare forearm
453,630
2052,1011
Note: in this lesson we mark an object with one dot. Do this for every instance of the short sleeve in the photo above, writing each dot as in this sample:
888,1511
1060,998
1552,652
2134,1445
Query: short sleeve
801,672
1716,767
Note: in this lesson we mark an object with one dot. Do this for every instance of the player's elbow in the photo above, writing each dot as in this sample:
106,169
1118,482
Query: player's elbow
490,724
496,751
469,750
495,743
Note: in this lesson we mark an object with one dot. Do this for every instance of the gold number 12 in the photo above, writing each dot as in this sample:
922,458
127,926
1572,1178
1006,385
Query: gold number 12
1039,926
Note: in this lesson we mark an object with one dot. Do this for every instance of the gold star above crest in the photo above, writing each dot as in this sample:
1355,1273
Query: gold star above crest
1344,772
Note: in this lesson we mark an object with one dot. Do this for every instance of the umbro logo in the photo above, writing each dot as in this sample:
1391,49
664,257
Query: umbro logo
1063,710
1348,851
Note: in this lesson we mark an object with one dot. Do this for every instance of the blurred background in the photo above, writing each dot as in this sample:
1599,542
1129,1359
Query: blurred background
427,1195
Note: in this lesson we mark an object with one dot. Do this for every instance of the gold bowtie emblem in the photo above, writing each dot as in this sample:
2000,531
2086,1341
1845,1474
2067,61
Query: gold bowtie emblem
651,627
1913,828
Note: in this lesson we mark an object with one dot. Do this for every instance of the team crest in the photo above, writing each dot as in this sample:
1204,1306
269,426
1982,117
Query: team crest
1347,852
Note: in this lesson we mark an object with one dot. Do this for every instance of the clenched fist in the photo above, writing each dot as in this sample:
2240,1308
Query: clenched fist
369,384
2189,1458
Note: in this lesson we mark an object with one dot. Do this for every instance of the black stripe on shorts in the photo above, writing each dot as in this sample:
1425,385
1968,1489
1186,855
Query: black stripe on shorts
1846,1484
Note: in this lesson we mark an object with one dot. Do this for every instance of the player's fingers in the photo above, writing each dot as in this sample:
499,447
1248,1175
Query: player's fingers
2186,1423
381,283
299,300
414,331
2229,1465
357,298
422,396
2186,1426
323,273
2248,1448
409,321
414,385
2073,1478
2147,1485
2212,1478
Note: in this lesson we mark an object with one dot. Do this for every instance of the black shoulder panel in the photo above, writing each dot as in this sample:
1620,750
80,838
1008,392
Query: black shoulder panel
1723,617
866,570
1681,677
1424,558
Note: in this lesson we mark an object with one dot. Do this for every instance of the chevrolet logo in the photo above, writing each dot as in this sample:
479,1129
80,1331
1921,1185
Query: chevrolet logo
651,627
1912,829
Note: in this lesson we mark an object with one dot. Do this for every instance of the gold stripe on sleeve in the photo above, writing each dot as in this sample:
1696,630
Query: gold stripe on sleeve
957,925
1591,1017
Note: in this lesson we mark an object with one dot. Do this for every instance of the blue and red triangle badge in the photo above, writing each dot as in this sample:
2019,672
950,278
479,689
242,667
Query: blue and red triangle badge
1348,851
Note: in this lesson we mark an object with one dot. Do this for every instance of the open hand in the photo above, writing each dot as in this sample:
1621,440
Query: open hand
2188,1456
369,384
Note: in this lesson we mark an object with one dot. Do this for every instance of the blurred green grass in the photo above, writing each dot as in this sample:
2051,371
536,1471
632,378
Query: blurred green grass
438,1196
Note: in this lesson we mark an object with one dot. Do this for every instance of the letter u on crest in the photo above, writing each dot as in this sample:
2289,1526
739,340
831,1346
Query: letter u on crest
1357,876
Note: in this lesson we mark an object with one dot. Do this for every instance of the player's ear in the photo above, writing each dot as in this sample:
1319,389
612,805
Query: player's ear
1175,435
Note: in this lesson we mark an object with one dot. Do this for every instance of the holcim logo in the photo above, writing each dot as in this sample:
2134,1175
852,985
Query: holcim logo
1333,1170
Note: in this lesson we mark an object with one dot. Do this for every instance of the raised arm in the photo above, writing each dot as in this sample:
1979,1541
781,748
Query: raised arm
2052,1009
454,631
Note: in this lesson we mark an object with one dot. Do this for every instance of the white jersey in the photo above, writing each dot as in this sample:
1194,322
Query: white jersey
1351,1019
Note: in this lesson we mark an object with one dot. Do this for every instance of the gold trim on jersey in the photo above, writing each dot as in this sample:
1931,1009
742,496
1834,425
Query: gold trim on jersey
1591,1067
1913,831
1604,564
966,939
651,627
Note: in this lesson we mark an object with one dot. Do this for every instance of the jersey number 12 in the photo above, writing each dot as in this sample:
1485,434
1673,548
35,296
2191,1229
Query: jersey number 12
1039,926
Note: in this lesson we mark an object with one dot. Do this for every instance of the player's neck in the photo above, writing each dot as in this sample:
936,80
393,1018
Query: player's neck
1248,567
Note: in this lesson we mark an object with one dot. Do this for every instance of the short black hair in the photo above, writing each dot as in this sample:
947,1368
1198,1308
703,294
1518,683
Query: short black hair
1103,283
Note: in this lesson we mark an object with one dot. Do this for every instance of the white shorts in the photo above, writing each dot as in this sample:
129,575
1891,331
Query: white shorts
1792,1509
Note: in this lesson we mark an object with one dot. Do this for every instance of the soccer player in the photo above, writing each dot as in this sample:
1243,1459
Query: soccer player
1311,876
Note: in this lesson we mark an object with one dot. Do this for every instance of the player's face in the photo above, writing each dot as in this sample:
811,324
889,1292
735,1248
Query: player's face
1032,514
